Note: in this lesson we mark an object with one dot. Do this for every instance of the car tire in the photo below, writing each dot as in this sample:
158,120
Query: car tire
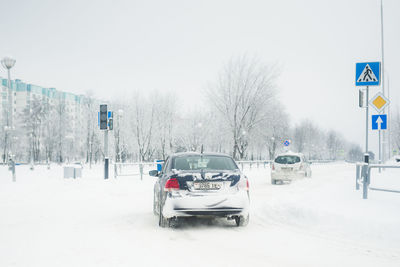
162,221
173,222
242,220
154,205
273,181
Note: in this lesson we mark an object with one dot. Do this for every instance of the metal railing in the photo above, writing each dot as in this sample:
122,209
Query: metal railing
264,163
252,163
363,177
137,169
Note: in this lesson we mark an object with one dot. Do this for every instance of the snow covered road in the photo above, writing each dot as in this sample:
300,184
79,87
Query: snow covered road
46,220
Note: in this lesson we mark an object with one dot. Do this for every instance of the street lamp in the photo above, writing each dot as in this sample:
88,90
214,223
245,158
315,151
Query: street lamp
120,114
8,63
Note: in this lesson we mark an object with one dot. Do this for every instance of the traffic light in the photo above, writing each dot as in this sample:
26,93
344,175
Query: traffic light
110,121
103,117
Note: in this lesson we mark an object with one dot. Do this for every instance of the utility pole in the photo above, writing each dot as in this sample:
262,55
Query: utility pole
8,63
366,120
383,144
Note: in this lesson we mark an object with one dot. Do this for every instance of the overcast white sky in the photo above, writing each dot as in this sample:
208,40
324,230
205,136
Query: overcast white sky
115,47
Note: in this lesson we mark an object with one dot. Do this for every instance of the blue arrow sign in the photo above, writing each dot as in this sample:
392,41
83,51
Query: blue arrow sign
368,73
379,122
286,143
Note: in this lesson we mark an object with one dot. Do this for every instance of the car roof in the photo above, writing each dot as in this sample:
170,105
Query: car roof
180,154
290,154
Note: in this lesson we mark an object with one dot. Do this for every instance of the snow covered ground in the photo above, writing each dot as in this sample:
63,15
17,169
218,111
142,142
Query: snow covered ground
46,220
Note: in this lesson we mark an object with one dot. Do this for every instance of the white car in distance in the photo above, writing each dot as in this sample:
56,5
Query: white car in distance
288,166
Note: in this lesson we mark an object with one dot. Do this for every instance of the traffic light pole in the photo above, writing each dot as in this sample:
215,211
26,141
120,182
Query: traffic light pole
106,163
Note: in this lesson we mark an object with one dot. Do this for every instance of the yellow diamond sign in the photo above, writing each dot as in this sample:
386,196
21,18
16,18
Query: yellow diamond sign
379,102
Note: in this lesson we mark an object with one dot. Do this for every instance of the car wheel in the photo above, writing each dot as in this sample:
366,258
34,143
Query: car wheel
162,221
242,220
154,205
173,222
273,181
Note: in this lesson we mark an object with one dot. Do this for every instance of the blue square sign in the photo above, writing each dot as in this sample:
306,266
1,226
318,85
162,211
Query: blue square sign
379,122
368,73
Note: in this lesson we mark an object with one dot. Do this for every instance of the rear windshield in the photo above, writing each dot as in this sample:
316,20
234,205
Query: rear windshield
187,163
287,159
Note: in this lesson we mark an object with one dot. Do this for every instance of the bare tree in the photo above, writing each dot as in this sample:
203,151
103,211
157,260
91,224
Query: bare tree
61,124
395,130
308,139
33,116
143,124
165,119
192,131
334,142
241,95
273,131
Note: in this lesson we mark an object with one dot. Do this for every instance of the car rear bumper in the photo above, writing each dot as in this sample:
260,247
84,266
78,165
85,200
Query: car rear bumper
287,176
220,205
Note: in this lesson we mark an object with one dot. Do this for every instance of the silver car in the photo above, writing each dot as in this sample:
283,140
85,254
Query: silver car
197,184
288,166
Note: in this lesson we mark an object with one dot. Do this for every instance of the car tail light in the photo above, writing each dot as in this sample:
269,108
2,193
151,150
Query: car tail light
273,167
171,185
244,184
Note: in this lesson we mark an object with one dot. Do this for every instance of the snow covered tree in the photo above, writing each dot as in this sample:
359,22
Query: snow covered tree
143,125
334,144
165,120
309,139
242,95
395,130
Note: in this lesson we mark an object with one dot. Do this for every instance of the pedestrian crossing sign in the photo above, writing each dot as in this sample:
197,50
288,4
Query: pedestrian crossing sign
368,73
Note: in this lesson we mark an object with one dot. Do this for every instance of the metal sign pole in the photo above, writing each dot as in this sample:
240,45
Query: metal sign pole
106,154
366,121
380,148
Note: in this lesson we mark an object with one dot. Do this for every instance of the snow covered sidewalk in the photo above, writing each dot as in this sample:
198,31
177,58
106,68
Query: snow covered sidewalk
46,220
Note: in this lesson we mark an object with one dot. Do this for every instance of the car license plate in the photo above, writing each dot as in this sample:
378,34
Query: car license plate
207,185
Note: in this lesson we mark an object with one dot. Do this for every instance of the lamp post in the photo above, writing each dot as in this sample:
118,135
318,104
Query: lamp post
8,63
120,114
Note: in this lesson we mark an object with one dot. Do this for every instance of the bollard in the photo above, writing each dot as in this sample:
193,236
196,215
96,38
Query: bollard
106,162
13,170
357,177
365,176
141,171
115,170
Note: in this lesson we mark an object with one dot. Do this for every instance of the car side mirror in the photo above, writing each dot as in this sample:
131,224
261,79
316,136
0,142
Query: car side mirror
153,173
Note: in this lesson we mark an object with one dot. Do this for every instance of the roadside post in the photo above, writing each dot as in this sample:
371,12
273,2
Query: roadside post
367,74
379,122
105,121
11,167
365,176
141,170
